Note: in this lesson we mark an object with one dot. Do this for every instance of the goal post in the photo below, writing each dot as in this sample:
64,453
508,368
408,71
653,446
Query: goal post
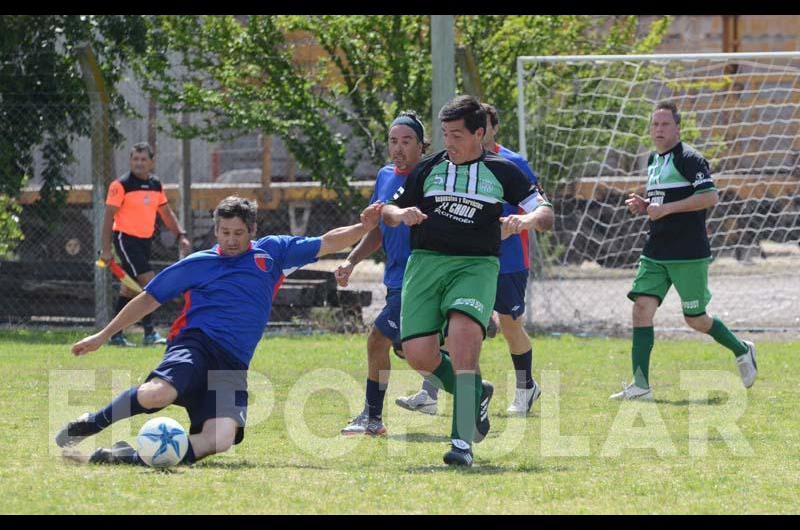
583,125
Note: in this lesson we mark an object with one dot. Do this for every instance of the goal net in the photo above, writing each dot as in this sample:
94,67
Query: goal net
583,125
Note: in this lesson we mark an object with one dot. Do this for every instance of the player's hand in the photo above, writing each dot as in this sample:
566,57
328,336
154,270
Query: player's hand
412,216
184,247
657,211
637,204
105,255
88,344
371,215
511,225
343,272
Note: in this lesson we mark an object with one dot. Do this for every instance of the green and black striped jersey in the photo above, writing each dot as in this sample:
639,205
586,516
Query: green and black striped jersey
464,202
672,176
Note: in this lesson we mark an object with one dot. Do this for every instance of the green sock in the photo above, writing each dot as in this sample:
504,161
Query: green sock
643,339
724,336
444,377
466,400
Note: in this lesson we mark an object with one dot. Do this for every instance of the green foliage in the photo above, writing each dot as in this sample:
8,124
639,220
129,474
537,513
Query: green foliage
10,233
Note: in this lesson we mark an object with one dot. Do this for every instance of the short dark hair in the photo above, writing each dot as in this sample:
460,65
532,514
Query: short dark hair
467,108
670,106
142,147
413,115
494,118
233,206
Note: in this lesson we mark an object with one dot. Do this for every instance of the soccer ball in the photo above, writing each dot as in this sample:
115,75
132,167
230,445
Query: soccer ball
162,442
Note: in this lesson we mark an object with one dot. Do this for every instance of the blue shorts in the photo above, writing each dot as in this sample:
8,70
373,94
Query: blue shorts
210,382
388,321
510,299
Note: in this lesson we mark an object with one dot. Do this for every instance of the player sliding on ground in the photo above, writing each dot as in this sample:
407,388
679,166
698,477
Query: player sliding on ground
679,190
453,200
228,293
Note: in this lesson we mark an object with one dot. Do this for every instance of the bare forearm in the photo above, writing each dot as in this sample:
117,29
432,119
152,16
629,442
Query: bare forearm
369,244
391,215
108,224
341,238
698,201
541,219
171,222
143,304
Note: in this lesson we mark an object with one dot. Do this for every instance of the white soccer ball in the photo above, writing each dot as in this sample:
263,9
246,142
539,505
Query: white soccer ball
162,442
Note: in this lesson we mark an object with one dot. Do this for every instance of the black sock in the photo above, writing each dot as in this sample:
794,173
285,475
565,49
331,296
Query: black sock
189,458
147,323
522,367
123,406
122,301
375,397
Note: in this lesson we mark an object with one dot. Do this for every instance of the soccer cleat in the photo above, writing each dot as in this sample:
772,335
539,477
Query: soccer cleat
357,425
121,340
419,402
524,398
460,454
375,427
76,431
746,363
120,453
494,325
153,338
482,425
631,392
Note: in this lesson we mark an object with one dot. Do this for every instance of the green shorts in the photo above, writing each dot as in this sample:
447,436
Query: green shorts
654,278
435,284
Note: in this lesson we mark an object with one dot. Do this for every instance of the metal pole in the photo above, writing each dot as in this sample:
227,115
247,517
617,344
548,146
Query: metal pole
443,75
522,148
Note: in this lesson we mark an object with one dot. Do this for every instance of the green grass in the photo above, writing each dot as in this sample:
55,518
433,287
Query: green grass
271,473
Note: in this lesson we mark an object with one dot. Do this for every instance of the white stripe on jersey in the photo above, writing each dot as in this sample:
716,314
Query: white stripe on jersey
450,185
472,184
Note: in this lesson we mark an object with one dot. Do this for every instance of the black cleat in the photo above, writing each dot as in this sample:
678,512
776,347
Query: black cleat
460,454
120,453
76,431
482,425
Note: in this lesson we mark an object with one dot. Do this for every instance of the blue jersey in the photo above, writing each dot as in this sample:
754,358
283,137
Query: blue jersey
229,298
396,240
514,256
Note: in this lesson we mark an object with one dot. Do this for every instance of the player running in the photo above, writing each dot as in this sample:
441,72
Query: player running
679,190
510,299
453,202
406,146
228,297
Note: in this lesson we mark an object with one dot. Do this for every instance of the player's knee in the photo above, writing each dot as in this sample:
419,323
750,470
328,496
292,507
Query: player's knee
699,323
643,310
156,394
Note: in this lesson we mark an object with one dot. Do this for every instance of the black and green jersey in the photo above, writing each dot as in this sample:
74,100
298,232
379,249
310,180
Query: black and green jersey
672,176
464,202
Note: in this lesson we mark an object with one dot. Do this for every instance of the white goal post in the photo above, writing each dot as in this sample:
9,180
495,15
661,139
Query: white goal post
583,125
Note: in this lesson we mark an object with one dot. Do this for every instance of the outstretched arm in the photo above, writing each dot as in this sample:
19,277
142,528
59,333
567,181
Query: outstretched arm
347,236
369,244
142,305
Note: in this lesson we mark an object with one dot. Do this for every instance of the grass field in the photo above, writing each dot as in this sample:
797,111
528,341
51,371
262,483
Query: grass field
293,461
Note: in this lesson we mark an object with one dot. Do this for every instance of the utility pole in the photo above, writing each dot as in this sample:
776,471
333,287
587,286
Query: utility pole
443,75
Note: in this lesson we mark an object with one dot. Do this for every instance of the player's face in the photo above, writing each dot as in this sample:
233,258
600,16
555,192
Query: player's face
462,145
664,132
141,164
405,149
489,137
233,236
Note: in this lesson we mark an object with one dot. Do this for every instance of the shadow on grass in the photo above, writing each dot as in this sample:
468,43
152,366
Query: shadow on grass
487,469
419,437
245,464
716,400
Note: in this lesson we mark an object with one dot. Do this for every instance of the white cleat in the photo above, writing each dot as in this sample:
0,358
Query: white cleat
747,365
419,402
631,392
523,399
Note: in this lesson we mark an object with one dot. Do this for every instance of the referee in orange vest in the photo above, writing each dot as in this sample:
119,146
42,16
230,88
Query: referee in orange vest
132,203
